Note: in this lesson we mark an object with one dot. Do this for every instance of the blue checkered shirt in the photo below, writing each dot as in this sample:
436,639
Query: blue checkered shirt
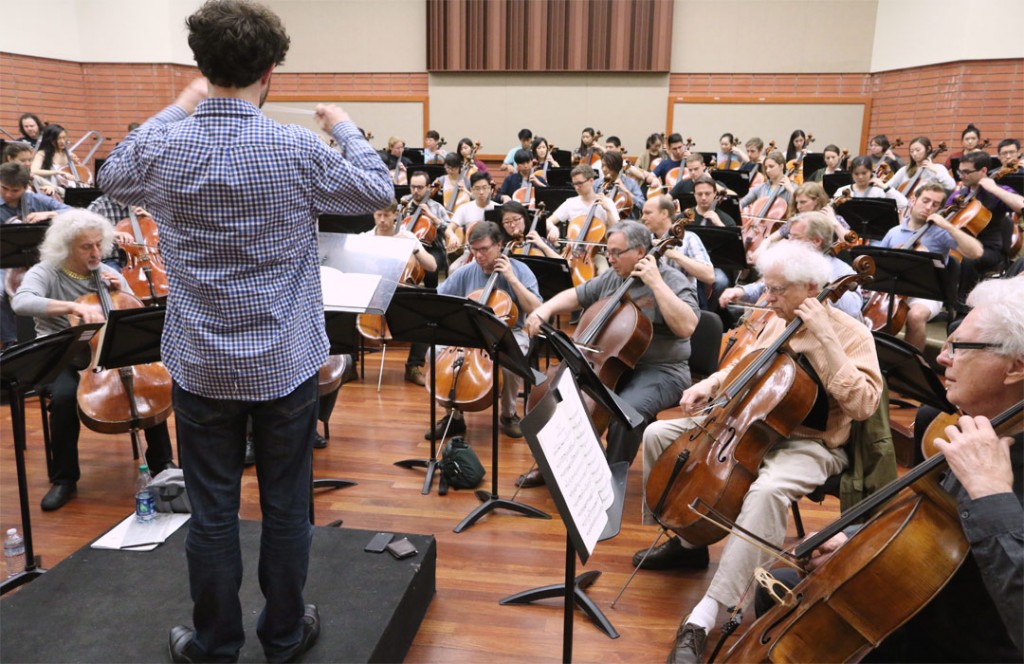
236,198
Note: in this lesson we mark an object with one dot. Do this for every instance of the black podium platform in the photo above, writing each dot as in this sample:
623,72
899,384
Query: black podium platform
117,606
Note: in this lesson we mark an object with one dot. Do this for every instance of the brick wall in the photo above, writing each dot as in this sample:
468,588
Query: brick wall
937,101
107,97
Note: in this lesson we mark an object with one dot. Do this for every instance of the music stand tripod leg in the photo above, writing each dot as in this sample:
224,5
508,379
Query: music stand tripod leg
32,568
490,499
431,463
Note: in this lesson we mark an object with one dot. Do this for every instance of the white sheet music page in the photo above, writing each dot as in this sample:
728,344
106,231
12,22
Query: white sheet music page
347,291
578,462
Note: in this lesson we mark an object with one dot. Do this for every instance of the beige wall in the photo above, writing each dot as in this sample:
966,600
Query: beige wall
327,35
493,108
355,35
382,119
840,124
933,24
772,36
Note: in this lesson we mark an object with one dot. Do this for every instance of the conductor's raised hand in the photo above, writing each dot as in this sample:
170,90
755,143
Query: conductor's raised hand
328,115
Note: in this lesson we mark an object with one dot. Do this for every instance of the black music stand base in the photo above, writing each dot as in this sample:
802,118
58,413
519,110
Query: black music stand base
430,464
580,598
490,499
490,502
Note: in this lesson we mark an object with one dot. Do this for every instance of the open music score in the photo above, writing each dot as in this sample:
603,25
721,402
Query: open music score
573,454
359,273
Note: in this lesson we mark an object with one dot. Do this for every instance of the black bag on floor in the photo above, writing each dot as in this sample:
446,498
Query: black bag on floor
460,466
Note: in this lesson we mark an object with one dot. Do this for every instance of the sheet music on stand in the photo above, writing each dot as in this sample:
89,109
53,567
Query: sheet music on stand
360,273
570,457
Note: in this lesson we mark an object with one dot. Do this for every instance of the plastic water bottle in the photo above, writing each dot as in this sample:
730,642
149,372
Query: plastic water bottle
14,552
145,502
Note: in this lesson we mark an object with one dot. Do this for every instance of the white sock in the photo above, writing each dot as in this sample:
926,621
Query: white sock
705,614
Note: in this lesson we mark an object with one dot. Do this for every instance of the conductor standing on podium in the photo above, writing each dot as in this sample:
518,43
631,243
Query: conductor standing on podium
236,197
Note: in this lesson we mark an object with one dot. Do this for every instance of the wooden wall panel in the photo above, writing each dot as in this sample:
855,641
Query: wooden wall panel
549,35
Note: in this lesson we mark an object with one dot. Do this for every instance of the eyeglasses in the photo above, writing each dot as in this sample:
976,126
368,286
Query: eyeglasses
512,219
951,347
962,172
777,291
582,182
615,253
482,250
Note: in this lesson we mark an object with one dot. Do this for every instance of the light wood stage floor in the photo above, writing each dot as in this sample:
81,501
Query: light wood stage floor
502,554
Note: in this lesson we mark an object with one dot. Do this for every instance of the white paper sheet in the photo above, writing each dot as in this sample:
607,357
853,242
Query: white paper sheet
134,536
578,463
347,290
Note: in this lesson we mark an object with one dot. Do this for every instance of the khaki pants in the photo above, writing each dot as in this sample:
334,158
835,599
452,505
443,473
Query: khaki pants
791,470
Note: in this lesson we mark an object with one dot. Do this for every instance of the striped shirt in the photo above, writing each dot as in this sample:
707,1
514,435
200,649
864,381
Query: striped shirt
236,198
854,389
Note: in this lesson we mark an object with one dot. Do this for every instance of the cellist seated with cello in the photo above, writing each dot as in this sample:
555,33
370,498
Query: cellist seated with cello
74,246
842,353
977,184
939,237
978,614
668,300
582,179
514,278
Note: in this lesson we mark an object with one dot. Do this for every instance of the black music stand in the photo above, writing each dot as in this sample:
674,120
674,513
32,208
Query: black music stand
431,318
872,218
573,589
553,274
1014,181
552,196
724,245
81,197
710,158
338,223
19,244
499,342
833,182
907,272
906,371
738,181
415,155
24,367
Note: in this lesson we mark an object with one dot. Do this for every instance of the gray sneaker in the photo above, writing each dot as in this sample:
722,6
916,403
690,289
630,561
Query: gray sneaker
510,426
690,640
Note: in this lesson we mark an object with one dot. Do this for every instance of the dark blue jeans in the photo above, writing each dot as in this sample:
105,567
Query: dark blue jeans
211,440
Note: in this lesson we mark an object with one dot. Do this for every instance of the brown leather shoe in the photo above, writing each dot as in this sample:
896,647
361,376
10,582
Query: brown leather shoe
530,479
689,648
672,555
415,376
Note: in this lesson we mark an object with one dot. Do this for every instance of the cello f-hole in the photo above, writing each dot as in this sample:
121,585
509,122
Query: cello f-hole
724,449
766,636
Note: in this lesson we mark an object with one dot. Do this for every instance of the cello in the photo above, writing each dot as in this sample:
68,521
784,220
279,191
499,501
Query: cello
465,376
613,334
416,223
126,399
765,396
975,217
526,248
795,167
770,212
438,159
144,268
908,187
679,173
583,234
877,580
592,157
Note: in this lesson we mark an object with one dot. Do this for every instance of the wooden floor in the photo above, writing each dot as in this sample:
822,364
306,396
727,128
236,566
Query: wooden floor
501,555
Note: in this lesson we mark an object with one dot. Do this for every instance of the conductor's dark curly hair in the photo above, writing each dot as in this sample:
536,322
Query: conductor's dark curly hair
235,42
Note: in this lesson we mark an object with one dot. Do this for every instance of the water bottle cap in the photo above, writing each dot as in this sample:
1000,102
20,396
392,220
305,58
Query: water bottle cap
12,531
143,468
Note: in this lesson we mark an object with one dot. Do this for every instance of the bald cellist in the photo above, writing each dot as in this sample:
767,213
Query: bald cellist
668,300
978,615
842,353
